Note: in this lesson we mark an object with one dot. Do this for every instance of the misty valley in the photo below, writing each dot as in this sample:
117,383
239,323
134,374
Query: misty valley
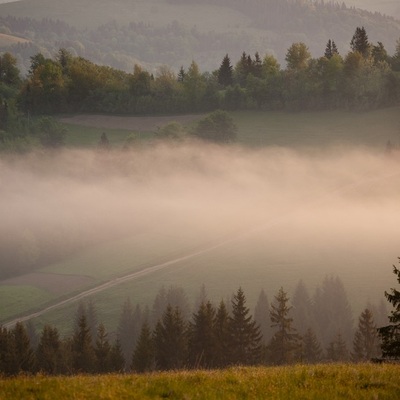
204,195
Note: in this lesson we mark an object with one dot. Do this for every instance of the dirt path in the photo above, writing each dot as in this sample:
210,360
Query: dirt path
128,123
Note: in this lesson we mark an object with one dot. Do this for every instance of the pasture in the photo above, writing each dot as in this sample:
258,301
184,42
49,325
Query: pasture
336,381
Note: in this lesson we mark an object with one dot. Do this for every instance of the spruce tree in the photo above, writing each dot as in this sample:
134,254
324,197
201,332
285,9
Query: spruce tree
337,350
284,347
102,350
82,350
311,348
262,317
23,351
366,341
302,309
143,356
390,334
225,72
222,336
125,330
360,43
49,354
245,335
117,360
201,339
170,340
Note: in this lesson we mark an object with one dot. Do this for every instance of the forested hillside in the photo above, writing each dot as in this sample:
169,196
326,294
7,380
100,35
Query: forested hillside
173,32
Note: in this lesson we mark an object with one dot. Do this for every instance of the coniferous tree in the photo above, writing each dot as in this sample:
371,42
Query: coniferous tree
8,356
102,350
366,341
225,72
170,340
125,330
202,297
91,317
359,42
49,353
181,74
24,354
337,350
284,347
390,334
143,356
302,309
245,335
262,317
311,348
332,311
82,350
330,49
117,360
201,339
222,336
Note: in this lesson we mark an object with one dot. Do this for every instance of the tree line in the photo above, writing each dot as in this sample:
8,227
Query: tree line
367,77
212,337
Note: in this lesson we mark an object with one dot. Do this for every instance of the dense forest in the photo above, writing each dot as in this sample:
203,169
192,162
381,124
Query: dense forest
157,32
170,337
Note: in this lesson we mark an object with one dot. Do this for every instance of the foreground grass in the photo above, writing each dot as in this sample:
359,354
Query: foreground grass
336,381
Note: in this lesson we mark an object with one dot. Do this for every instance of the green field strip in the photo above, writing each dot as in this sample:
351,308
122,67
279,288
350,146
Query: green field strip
126,255
16,299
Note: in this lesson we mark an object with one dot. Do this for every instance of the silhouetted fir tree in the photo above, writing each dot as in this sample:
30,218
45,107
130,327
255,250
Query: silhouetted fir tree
202,297
262,317
159,306
91,317
337,350
176,297
102,350
181,74
117,360
330,49
143,356
359,42
170,340
284,347
390,334
302,309
49,354
32,334
311,348
257,65
201,339
8,355
366,342
225,72
332,311
125,330
23,351
222,336
83,356
245,335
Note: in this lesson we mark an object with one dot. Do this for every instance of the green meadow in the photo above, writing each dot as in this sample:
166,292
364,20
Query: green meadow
318,382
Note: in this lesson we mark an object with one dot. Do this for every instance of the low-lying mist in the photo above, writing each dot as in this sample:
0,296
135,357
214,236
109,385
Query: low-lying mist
337,207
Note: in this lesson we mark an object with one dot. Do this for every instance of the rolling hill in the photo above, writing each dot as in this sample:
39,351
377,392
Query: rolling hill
121,33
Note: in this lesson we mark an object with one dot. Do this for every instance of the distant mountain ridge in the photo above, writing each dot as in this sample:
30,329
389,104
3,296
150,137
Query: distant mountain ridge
120,33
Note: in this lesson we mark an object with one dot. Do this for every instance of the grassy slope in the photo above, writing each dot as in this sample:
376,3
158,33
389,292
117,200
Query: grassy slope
295,382
224,269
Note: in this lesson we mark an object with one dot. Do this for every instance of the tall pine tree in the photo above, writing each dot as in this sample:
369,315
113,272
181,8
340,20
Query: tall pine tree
245,335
